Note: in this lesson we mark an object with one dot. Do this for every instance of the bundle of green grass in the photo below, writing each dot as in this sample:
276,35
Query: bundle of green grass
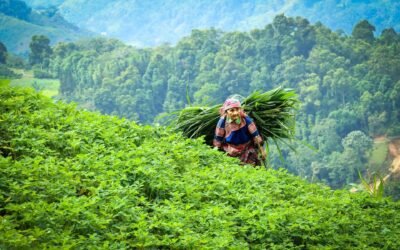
272,112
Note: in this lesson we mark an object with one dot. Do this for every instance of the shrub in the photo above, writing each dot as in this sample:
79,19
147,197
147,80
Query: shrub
5,72
74,179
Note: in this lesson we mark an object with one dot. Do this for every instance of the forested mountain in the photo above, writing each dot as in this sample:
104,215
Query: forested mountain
71,179
18,23
349,85
155,22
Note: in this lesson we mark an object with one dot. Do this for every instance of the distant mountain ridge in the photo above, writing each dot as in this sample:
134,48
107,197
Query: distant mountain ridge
149,23
18,23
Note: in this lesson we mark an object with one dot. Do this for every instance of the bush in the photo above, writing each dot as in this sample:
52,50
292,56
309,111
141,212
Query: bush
15,61
42,74
5,72
394,130
74,179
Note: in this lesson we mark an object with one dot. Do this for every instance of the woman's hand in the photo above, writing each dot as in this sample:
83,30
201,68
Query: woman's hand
262,151
263,154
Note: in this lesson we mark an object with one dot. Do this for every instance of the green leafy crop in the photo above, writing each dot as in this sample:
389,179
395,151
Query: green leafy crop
72,179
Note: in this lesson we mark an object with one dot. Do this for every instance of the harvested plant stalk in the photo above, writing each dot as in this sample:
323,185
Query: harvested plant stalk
272,112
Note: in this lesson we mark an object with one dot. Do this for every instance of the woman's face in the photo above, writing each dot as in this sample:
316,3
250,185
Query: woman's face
233,113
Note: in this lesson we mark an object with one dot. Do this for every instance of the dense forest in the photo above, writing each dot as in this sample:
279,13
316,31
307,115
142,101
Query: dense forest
349,86
71,179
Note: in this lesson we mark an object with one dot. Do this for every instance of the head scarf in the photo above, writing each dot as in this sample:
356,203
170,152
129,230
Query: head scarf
228,104
231,103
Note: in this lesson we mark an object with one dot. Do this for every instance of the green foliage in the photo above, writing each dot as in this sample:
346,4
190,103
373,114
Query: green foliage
363,31
375,186
15,61
3,53
74,179
48,87
5,82
40,50
38,72
6,72
378,156
344,83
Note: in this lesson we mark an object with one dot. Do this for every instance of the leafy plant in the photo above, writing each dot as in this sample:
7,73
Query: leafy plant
375,187
72,179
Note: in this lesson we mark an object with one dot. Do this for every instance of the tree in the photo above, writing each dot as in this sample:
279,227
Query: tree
324,137
364,31
358,142
389,36
347,120
208,94
321,60
340,85
310,93
290,73
3,53
40,50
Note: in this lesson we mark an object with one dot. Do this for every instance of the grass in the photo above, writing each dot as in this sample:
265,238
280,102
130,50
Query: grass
378,155
272,111
48,87
4,82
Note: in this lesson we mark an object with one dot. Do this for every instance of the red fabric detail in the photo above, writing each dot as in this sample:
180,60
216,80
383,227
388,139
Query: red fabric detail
247,153
217,144
252,128
230,103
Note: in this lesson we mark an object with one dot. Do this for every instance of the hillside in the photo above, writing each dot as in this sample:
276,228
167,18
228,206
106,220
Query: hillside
74,179
349,86
19,23
149,23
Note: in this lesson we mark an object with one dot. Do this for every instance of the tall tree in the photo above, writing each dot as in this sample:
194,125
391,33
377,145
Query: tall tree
389,36
364,31
3,53
40,50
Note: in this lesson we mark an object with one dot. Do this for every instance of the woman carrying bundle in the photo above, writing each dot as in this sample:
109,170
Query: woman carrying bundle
237,134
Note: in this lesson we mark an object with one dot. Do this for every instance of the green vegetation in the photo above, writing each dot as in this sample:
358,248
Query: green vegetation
349,87
40,50
379,155
3,53
48,87
6,72
5,82
74,179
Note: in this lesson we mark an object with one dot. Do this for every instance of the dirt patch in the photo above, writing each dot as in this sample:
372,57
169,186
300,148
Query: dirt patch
380,139
394,169
394,151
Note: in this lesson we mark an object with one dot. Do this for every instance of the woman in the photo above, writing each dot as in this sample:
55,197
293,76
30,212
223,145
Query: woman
237,134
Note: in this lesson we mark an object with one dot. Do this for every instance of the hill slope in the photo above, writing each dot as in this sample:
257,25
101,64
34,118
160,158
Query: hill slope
147,23
73,179
18,23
